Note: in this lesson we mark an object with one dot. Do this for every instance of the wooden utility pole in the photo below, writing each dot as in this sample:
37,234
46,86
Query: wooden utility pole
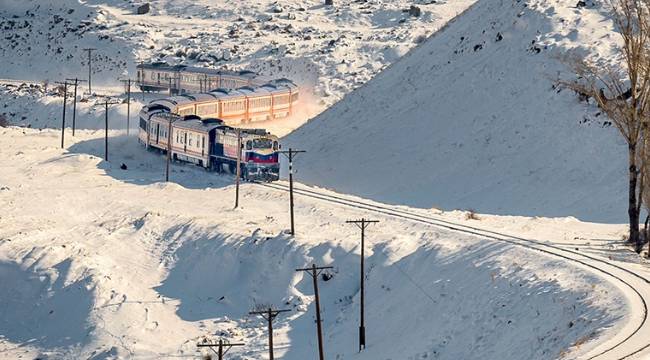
238,171
106,103
314,271
362,224
171,118
269,315
290,154
65,101
74,107
90,61
222,346
127,84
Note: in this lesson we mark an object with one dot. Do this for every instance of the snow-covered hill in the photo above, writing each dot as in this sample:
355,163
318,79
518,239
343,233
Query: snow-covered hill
328,50
471,119
97,262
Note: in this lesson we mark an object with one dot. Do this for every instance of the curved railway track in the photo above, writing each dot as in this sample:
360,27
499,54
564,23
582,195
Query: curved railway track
630,343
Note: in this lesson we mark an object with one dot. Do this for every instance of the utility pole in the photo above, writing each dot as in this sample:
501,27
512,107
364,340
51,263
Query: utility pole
127,84
106,103
290,154
171,118
362,224
269,315
90,61
65,101
74,108
314,271
223,347
238,172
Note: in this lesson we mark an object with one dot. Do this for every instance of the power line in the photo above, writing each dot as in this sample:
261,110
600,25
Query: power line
65,100
90,61
314,271
106,103
290,154
74,109
362,224
269,315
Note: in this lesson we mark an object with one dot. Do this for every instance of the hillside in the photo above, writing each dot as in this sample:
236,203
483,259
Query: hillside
97,262
472,119
327,50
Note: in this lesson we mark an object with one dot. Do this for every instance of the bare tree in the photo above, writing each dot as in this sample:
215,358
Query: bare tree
623,93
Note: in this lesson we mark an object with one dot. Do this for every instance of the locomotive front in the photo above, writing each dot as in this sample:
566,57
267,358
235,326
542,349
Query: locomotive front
261,161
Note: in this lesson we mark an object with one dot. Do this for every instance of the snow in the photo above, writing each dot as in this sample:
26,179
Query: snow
326,50
125,266
467,121
98,262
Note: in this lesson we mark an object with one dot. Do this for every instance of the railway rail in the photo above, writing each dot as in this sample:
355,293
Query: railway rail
631,342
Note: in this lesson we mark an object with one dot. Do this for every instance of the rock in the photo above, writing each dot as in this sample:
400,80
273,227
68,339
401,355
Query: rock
278,9
291,16
415,11
144,9
329,2
499,37
581,4
123,166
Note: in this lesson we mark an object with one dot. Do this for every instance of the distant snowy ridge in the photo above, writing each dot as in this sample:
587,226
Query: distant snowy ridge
471,119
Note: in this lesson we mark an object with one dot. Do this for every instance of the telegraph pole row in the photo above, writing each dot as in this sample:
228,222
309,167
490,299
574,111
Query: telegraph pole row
74,109
106,103
65,101
127,84
223,347
362,224
290,154
314,271
90,61
269,315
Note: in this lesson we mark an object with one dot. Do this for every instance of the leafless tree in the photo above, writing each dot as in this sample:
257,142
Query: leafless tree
623,93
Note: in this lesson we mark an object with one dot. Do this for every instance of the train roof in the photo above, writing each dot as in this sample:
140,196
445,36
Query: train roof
198,70
199,125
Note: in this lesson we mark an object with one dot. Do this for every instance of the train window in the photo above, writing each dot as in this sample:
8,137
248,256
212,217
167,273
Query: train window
249,145
202,142
275,145
262,143
190,143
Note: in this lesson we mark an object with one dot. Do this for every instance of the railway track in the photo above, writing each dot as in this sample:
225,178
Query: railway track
631,342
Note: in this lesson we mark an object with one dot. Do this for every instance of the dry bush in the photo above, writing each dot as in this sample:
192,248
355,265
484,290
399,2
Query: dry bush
471,215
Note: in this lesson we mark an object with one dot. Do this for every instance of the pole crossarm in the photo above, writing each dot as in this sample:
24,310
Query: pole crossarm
265,313
321,268
222,347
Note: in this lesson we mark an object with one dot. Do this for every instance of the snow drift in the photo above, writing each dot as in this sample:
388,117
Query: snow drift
471,119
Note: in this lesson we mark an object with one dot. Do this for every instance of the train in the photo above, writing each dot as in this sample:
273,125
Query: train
210,143
234,97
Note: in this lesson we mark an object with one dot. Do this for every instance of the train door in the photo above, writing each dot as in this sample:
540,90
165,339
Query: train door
157,132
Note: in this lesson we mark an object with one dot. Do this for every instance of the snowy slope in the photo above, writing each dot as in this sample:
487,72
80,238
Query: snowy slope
102,263
470,119
327,50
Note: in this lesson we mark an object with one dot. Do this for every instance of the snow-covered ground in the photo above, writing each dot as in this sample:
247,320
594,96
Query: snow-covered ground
102,263
472,119
327,50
